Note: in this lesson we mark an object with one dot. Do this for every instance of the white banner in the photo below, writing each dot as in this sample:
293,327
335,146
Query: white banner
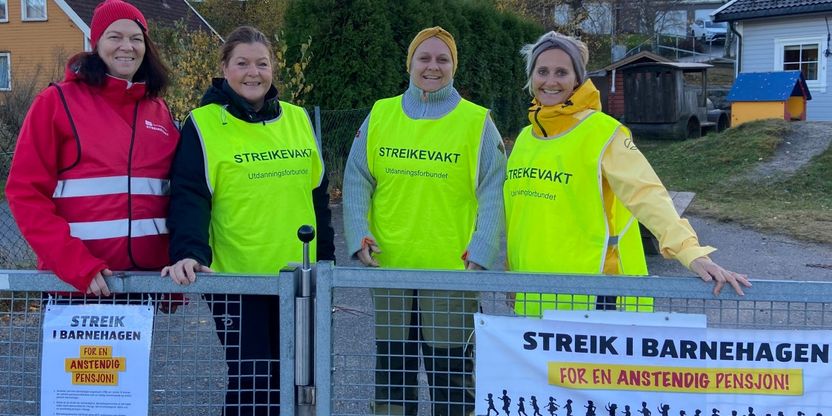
96,360
536,367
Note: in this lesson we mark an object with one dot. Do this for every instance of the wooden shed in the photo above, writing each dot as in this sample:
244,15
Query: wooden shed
610,81
667,99
763,95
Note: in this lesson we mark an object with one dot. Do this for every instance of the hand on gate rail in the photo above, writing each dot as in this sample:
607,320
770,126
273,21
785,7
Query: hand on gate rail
708,270
365,254
184,271
98,286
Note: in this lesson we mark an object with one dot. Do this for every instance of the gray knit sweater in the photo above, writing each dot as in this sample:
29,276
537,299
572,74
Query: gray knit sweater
359,184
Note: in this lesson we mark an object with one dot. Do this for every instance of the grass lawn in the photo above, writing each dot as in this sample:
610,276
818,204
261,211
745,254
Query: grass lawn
714,167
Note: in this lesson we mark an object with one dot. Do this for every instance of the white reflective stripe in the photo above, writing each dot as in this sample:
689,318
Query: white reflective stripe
98,230
110,185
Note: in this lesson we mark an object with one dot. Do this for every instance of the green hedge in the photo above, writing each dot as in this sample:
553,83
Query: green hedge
359,49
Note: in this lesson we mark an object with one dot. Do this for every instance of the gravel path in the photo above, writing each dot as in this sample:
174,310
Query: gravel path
804,141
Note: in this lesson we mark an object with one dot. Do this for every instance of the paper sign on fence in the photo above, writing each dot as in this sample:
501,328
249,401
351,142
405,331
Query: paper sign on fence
96,359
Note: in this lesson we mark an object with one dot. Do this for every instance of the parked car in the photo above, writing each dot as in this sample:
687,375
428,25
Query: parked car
707,30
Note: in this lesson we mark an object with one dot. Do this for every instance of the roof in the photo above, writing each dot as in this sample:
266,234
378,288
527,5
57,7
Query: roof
769,86
758,9
161,12
643,56
683,66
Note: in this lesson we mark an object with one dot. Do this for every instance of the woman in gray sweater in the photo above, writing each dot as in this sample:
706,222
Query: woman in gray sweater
423,190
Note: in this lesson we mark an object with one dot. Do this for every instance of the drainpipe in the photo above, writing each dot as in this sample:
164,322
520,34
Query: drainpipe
739,46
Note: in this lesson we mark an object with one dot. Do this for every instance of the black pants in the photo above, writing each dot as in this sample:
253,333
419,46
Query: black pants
248,328
450,375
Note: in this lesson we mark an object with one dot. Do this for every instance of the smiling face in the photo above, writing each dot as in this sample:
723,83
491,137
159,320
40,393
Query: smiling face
553,77
249,72
121,47
431,67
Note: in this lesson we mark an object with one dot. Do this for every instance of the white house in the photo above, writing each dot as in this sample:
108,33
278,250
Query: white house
777,35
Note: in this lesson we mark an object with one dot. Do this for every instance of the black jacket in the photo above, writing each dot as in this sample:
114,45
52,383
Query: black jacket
190,204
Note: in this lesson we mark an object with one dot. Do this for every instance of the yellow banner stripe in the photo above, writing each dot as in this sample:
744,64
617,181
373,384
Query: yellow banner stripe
589,376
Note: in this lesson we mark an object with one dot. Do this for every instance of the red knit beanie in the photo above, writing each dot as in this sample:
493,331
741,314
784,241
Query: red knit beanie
108,12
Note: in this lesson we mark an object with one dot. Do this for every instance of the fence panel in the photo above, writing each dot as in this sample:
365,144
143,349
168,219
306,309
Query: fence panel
188,368
347,376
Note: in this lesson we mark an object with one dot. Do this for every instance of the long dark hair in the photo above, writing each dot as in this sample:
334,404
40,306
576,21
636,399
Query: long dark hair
152,71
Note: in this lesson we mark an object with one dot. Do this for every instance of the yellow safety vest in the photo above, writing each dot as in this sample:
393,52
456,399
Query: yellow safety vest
424,206
555,218
261,177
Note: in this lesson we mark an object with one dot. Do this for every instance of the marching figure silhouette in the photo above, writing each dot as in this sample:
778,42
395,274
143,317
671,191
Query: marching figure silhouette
521,408
665,408
627,410
506,402
590,408
535,407
568,407
611,408
552,407
750,411
491,407
644,410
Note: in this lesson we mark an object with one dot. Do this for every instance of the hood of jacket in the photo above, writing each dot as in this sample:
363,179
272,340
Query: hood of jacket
220,93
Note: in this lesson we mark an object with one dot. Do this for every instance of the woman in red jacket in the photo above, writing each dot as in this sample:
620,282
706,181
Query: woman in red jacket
88,185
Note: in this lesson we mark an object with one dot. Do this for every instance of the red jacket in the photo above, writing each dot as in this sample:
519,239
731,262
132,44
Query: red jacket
90,191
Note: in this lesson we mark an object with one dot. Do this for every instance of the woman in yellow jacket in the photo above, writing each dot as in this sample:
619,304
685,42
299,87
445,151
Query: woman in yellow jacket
575,184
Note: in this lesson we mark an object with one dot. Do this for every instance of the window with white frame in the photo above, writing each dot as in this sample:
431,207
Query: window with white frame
4,11
33,9
802,55
5,71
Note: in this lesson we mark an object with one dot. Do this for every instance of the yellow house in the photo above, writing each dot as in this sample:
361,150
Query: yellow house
764,95
38,36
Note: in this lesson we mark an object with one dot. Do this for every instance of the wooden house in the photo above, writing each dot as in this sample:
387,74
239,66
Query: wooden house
38,36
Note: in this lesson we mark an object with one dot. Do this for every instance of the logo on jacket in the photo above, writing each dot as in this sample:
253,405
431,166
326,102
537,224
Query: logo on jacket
156,127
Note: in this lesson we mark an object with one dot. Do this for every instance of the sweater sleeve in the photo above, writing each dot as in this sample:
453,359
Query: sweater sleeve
189,215
485,243
359,185
636,184
29,188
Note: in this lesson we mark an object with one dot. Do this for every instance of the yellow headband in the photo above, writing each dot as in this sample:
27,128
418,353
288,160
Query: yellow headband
431,32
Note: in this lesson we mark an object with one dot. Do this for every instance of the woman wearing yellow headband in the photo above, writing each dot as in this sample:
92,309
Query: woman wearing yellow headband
423,190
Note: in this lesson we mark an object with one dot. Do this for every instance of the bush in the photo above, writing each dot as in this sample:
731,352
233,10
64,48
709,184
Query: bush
359,50
193,58
13,108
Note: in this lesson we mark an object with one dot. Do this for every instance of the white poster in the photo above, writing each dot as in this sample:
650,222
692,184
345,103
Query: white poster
536,367
96,360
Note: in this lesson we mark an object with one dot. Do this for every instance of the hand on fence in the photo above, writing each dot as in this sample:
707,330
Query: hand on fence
365,254
708,270
470,265
184,271
98,286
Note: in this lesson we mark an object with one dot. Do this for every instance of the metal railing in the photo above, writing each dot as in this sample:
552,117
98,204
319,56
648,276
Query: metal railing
188,368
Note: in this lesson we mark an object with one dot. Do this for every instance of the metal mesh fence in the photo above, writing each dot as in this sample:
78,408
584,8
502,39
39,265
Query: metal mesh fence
337,129
359,318
14,251
197,365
